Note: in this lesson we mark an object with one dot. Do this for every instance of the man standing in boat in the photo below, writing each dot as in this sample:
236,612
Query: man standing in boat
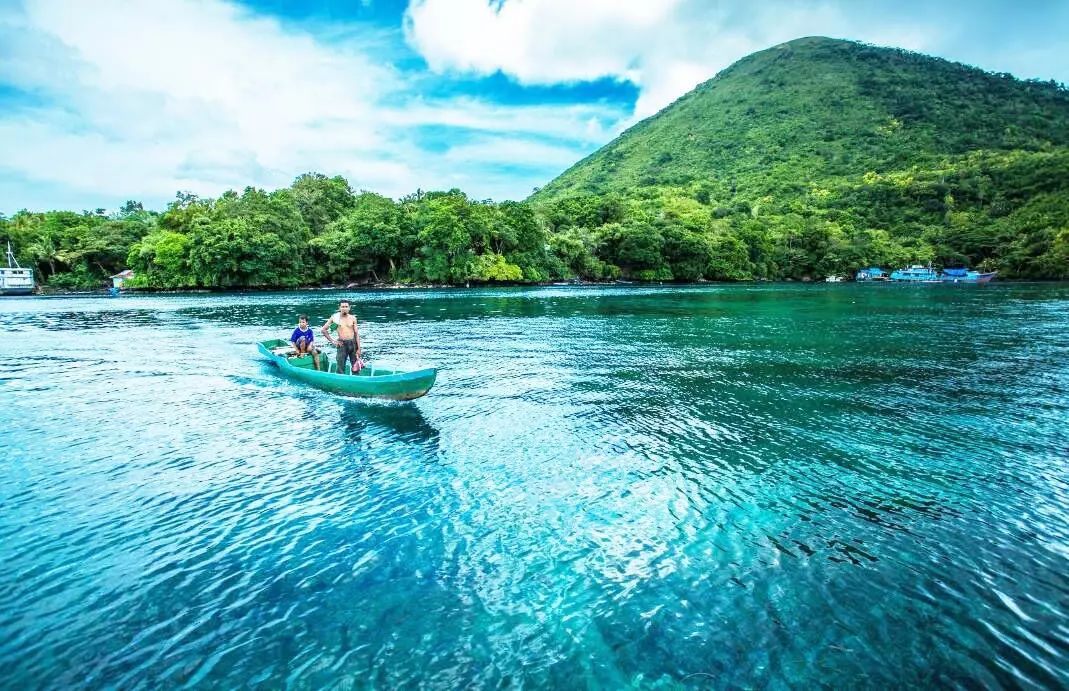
348,340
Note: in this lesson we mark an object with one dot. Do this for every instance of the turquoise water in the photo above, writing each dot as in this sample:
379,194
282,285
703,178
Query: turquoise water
756,486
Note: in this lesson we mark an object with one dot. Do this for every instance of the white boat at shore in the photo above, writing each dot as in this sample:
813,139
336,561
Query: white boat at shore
15,280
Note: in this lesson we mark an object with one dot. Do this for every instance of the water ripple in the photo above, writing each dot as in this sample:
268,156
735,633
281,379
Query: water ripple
649,487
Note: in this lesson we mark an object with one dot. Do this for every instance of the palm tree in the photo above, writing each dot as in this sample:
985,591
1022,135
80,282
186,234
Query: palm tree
43,249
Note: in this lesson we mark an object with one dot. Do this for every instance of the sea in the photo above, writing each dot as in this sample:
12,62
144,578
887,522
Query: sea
644,487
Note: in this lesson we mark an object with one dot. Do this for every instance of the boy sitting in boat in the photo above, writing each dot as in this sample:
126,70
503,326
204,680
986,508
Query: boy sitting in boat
303,340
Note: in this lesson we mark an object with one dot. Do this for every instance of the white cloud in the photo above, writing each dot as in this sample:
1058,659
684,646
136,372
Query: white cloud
583,123
539,41
510,151
138,100
149,98
665,48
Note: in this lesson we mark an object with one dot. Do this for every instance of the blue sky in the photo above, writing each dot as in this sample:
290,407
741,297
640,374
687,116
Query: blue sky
113,100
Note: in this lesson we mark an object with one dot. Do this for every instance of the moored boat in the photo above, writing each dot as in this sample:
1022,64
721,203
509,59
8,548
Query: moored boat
926,274
370,382
873,273
962,275
15,280
916,274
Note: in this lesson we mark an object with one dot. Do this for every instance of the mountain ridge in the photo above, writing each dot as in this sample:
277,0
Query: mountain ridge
853,136
895,104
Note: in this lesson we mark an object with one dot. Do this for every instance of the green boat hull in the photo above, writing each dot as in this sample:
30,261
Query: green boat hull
370,382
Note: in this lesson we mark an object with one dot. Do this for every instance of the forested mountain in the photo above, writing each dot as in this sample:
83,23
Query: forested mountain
814,157
819,156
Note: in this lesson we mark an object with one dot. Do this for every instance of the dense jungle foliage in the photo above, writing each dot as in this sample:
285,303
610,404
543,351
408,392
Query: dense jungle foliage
819,156
812,158
317,231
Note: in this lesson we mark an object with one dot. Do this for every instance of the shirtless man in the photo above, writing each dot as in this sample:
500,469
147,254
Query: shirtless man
348,340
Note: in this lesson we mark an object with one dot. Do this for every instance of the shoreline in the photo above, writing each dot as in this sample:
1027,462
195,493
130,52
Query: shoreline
105,292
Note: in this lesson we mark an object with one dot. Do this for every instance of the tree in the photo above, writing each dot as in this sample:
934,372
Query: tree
321,200
445,239
494,267
161,259
367,239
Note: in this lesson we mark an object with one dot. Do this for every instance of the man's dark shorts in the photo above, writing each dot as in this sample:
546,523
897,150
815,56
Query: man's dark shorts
346,350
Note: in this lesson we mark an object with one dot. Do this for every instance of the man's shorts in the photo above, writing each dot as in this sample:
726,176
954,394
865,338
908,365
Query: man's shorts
346,348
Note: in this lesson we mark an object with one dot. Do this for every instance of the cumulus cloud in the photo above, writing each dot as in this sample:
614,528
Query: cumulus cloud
540,41
665,48
152,97
142,99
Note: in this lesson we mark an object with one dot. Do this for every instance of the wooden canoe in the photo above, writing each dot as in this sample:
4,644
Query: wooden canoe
370,382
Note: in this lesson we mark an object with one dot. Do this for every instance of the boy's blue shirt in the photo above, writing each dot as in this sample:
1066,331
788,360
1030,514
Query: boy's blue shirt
306,335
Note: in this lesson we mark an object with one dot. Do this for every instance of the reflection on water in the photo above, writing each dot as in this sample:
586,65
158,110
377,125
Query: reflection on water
705,486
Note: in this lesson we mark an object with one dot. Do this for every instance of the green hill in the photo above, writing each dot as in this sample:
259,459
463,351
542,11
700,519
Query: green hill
820,155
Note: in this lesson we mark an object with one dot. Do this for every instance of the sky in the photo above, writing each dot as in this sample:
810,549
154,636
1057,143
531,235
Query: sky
111,100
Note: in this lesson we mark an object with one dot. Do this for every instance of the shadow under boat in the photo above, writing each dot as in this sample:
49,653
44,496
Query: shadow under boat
403,420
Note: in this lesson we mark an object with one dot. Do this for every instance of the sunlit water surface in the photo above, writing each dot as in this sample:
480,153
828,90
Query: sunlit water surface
857,485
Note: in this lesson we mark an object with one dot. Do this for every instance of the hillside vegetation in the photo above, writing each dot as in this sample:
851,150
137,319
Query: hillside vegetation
819,156
811,158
